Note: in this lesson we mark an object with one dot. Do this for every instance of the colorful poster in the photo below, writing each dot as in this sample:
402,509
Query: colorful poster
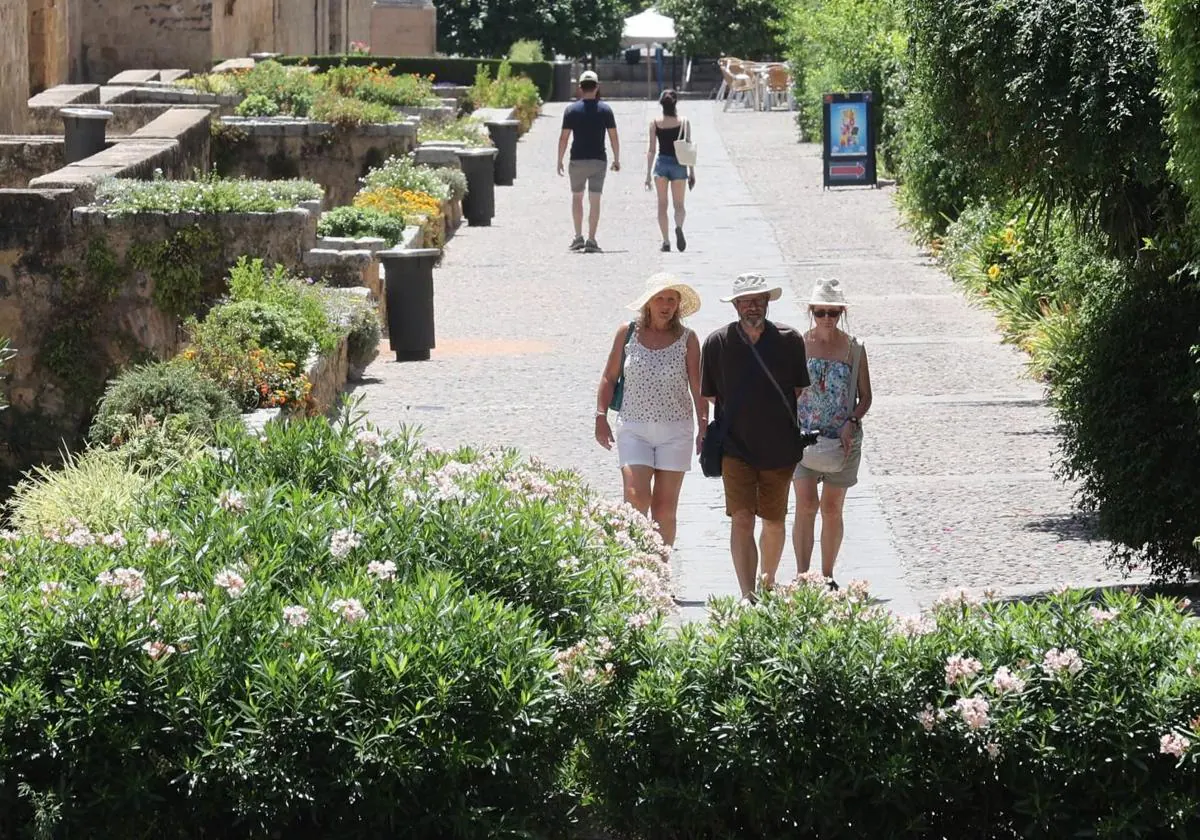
848,124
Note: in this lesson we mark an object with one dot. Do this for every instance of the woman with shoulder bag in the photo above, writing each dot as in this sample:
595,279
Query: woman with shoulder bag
673,167
833,405
652,379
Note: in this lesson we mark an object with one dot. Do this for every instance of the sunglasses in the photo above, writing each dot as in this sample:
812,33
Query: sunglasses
826,313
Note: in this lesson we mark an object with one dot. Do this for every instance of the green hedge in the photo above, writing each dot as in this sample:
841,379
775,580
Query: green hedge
459,71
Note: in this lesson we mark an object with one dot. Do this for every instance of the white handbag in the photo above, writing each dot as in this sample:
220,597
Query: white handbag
827,456
685,150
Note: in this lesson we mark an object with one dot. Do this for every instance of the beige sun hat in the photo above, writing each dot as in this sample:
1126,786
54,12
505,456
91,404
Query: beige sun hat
827,291
752,283
689,301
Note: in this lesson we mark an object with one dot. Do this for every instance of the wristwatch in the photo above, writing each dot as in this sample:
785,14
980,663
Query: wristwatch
854,420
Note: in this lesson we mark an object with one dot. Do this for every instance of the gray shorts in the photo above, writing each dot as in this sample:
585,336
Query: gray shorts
591,172
847,476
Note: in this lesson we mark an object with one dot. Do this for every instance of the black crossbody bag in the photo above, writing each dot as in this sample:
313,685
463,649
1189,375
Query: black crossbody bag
713,449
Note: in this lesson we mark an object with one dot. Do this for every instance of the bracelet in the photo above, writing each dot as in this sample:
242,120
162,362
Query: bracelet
601,413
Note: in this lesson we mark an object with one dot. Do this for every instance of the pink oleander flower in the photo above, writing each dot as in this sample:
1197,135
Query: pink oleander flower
158,650
959,668
915,625
79,537
382,571
155,537
295,616
974,711
1100,616
928,717
639,620
131,582
1055,662
114,540
368,440
185,597
51,589
858,589
343,541
232,500
233,583
993,750
956,598
350,609
1173,745
1006,682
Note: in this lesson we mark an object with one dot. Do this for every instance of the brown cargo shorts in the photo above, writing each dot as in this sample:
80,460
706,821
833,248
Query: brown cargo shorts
763,492
590,172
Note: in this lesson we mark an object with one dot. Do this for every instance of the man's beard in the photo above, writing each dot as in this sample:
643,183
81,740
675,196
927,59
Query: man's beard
753,322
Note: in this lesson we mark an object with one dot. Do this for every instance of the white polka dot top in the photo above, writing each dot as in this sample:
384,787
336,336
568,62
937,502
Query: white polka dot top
656,382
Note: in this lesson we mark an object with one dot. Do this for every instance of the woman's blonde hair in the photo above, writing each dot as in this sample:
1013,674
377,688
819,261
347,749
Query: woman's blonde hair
675,325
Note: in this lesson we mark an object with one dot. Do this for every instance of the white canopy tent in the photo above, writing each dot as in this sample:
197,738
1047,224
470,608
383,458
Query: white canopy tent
648,28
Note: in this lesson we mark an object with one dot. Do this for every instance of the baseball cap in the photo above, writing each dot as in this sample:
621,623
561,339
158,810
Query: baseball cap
589,76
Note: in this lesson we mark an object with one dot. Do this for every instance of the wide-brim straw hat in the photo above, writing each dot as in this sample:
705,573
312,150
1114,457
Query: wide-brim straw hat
827,292
689,301
750,284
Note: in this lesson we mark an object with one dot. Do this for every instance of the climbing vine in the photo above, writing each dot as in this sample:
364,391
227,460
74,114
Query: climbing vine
178,266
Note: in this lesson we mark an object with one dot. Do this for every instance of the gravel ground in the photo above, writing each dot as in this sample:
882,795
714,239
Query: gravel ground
961,443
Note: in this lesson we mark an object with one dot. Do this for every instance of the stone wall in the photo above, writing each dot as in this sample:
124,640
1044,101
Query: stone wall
83,294
242,27
25,158
14,66
49,43
118,35
289,148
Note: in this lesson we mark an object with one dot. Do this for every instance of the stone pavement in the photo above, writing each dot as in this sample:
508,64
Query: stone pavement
956,485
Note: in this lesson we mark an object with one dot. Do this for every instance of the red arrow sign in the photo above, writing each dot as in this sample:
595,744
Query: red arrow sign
848,170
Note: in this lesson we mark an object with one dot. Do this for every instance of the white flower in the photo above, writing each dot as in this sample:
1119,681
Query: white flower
1005,681
51,588
131,582
114,540
231,582
295,616
157,650
232,500
80,537
1174,745
368,440
1100,616
858,590
927,717
349,609
1055,662
974,711
993,750
343,541
382,571
9,536
956,598
190,598
959,668
155,537
639,620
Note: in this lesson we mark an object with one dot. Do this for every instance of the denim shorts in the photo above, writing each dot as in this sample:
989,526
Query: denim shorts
669,168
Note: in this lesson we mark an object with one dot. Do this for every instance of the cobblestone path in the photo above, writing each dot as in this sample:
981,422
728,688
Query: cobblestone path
957,486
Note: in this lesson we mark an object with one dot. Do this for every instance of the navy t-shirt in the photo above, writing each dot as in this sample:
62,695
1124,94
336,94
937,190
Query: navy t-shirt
589,121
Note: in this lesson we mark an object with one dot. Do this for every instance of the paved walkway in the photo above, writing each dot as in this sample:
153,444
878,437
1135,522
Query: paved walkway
956,487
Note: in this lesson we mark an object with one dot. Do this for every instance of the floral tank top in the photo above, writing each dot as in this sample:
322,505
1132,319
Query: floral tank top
822,407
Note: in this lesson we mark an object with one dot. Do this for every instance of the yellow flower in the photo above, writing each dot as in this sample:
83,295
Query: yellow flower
993,271
1009,236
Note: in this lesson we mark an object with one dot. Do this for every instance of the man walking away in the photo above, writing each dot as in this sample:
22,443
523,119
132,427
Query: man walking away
758,407
585,122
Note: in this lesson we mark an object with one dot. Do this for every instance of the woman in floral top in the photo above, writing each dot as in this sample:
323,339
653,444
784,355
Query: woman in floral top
827,407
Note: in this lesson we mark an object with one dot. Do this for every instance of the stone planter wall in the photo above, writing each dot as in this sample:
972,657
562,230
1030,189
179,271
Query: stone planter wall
328,375
82,294
290,148
25,158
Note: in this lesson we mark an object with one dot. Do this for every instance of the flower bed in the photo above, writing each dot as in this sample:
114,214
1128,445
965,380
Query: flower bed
419,194
466,130
205,194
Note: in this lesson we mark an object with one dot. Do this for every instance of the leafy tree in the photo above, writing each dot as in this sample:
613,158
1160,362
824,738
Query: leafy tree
488,28
743,28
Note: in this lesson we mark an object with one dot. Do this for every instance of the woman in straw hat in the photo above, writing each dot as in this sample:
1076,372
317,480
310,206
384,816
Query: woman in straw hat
834,405
653,369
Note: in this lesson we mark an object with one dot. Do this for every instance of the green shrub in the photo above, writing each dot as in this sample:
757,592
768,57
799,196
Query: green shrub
292,91
1125,396
820,715
271,326
506,91
464,130
402,174
159,390
205,194
378,85
360,222
526,50
1175,25
345,112
249,280
455,181
98,489
456,71
360,319
306,635
257,105
1067,85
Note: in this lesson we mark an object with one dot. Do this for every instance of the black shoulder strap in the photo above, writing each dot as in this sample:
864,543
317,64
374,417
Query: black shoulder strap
787,404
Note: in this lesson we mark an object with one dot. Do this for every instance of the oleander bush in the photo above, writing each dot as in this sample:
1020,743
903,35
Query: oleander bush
203,194
159,390
361,222
820,715
321,631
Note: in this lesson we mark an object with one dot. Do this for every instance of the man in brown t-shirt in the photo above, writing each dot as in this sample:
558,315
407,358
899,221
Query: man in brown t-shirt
761,445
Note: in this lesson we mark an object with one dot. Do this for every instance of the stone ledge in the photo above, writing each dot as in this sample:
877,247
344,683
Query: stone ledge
60,95
114,95
133,77
346,243
168,76
172,125
231,64
494,114
300,127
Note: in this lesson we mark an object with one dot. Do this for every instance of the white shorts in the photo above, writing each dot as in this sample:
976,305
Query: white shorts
664,446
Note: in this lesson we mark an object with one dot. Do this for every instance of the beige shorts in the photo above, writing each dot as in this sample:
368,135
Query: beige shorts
847,476
591,172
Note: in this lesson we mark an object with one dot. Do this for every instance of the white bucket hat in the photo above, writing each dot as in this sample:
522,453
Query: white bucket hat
689,301
827,292
750,284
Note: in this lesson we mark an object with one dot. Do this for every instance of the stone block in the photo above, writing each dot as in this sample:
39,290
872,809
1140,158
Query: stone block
231,64
112,94
60,95
133,77
173,75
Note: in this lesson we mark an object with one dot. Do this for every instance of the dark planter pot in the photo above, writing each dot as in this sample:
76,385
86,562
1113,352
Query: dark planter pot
561,89
633,55
409,292
479,204
504,138
83,130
